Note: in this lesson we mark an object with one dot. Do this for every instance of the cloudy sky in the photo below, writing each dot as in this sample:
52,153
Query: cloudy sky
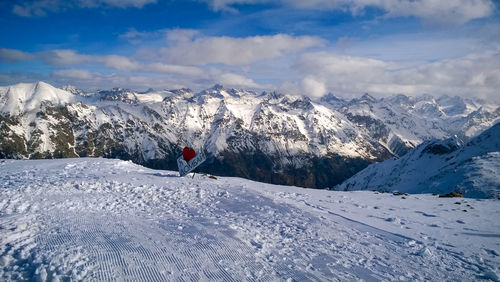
308,47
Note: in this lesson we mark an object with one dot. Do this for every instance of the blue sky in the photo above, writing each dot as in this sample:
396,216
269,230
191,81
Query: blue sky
308,47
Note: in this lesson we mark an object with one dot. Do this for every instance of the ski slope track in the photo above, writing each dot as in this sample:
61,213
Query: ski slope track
101,219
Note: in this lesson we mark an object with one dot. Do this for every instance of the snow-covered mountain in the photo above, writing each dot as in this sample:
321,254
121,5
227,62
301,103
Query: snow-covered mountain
401,122
27,97
269,137
439,166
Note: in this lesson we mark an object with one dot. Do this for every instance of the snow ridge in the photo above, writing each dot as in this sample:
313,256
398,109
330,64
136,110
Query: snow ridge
439,166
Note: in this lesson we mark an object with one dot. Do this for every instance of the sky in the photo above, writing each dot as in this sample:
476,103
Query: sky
304,47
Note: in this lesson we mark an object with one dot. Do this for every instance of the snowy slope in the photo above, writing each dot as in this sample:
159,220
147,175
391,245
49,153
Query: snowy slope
100,219
439,167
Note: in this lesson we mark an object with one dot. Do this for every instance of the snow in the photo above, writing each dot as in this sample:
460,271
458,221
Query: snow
438,166
24,97
150,98
100,219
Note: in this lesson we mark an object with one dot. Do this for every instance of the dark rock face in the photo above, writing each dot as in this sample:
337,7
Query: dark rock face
318,173
439,149
11,144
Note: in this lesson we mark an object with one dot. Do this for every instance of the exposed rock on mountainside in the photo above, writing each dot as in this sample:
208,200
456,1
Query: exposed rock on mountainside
267,137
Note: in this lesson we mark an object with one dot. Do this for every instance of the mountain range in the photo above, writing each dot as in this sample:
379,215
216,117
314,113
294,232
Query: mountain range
269,136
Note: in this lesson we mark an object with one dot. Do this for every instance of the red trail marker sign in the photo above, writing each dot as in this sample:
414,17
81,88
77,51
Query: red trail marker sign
194,160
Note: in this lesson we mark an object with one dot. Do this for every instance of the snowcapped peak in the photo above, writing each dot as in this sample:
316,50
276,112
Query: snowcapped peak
149,90
117,89
72,89
298,102
235,92
398,99
368,97
217,87
425,97
119,94
453,105
273,95
330,98
182,92
429,108
217,93
24,97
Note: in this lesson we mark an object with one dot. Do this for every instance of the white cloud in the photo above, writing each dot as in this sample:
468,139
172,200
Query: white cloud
94,80
449,11
114,3
313,87
232,79
440,11
475,74
285,62
40,8
181,35
226,5
62,57
66,57
117,62
235,51
178,69
135,36
13,56
187,76
77,74
190,47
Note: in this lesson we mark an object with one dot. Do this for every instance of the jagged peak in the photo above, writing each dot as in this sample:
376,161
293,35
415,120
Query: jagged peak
368,97
119,89
217,87
330,96
149,90
271,95
73,90
333,100
424,98
399,99
211,92
181,91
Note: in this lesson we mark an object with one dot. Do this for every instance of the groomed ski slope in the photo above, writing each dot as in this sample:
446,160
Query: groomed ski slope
99,219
